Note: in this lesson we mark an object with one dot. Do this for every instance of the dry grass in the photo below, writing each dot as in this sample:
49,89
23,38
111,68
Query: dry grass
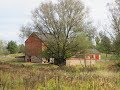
32,76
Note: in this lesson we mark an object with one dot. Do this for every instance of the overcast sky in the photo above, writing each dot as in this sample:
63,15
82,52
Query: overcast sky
15,13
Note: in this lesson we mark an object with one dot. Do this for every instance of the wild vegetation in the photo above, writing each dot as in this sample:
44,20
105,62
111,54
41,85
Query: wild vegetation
10,47
18,75
64,22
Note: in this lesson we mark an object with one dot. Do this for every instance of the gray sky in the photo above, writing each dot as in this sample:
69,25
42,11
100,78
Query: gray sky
15,13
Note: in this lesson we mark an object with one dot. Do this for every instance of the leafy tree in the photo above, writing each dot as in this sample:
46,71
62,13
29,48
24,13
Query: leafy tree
84,43
21,48
6,52
1,46
12,47
60,24
116,45
3,49
97,40
103,44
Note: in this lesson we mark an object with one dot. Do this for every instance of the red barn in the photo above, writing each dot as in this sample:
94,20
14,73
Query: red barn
34,45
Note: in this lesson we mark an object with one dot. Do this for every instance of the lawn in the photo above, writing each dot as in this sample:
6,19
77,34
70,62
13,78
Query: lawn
19,75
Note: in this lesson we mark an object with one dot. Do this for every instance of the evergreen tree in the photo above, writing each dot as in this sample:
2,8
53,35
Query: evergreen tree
12,47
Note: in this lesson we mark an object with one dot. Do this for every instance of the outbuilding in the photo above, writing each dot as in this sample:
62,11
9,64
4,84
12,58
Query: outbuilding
90,58
34,46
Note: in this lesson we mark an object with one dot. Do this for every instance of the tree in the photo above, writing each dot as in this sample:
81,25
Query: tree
103,43
3,49
115,25
84,43
116,45
60,24
12,47
26,31
21,48
1,46
115,17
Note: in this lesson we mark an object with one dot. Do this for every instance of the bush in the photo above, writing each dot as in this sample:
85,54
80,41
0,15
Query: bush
12,47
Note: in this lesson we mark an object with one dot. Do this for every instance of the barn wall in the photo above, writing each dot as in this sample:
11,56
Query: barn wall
33,46
79,61
36,59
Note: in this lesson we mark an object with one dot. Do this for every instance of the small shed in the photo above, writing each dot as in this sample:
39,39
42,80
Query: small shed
90,58
93,54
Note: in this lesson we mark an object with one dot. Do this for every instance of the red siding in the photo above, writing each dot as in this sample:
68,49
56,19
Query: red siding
97,56
33,45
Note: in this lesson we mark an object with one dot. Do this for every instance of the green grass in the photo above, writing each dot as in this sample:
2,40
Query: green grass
19,75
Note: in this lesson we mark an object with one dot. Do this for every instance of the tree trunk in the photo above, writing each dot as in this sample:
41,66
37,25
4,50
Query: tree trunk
85,60
106,54
59,61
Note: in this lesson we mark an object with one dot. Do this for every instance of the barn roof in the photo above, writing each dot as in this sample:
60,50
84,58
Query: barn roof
41,36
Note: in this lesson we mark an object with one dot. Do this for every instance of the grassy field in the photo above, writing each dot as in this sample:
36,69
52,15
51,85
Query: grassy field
18,75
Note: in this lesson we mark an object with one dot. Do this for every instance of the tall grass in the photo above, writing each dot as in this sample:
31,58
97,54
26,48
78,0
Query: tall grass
23,77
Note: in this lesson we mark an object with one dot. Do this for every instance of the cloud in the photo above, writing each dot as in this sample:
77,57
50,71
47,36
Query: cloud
6,35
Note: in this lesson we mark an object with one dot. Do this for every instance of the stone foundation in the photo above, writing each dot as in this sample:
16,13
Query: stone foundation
33,59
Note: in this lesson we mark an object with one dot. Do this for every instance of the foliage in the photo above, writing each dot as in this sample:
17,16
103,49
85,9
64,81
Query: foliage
3,49
115,25
101,76
103,44
84,43
60,25
21,48
26,31
12,47
116,43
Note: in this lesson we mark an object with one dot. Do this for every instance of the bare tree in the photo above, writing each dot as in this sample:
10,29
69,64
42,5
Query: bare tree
26,30
115,17
115,24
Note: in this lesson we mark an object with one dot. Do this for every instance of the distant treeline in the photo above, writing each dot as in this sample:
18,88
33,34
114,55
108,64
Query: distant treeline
10,48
